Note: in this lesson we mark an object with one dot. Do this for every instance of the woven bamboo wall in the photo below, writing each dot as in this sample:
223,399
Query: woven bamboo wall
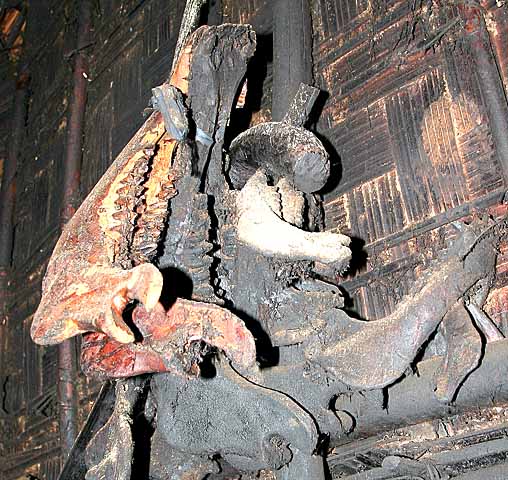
131,53
408,130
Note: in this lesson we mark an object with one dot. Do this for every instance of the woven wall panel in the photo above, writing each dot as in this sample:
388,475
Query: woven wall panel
131,53
411,133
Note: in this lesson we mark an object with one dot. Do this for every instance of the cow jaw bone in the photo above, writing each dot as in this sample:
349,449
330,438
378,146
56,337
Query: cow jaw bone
97,303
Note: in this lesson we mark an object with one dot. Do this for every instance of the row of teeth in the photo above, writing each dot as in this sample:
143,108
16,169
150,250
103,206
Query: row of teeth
140,226
129,194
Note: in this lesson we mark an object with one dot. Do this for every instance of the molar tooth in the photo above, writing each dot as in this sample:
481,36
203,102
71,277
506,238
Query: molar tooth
123,190
118,215
148,247
122,201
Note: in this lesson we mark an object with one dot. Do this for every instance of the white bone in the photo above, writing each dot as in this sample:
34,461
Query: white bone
260,227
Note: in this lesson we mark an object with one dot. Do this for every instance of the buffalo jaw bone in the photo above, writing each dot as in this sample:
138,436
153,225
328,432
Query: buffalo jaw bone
187,322
95,303
261,226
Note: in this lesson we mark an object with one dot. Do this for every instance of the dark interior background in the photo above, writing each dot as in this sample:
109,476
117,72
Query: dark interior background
405,119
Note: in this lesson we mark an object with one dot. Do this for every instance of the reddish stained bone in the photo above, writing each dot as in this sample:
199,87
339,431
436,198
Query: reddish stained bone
88,281
98,267
166,337
90,278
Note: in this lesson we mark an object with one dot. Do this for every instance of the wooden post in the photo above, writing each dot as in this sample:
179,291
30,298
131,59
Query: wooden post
292,52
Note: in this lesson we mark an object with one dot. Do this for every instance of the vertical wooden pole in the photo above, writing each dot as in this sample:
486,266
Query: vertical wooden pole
8,192
491,82
292,52
71,196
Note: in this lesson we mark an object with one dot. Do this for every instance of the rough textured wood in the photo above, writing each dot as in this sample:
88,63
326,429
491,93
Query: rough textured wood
363,64
292,52
411,131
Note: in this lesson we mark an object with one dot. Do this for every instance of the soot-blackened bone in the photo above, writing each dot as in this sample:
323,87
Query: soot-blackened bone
284,149
187,245
379,352
259,230
221,56
109,453
463,351
256,428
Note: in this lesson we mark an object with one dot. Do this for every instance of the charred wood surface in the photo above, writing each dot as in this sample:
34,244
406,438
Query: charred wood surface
413,130
413,399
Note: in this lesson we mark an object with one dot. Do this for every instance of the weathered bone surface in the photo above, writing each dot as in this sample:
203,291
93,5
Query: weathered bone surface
463,351
265,428
168,338
394,341
260,227
292,152
115,461
88,283
99,264
254,251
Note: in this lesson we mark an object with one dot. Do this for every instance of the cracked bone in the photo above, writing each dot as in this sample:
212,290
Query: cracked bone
379,352
90,280
484,323
101,261
261,227
292,203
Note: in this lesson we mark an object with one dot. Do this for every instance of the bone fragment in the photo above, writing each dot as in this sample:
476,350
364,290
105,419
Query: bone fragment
260,227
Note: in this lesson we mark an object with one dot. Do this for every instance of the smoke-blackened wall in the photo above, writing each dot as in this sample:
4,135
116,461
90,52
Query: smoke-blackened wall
130,52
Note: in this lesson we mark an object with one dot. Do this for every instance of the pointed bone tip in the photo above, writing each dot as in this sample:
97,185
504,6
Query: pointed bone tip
153,295
119,333
124,337
151,302
145,284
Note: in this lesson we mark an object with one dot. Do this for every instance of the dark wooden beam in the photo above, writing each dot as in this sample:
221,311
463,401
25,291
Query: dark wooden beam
413,400
292,52
8,191
67,362
490,81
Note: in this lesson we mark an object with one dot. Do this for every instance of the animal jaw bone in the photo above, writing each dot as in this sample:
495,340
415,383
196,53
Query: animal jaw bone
262,228
90,276
88,306
99,264
379,352
168,337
